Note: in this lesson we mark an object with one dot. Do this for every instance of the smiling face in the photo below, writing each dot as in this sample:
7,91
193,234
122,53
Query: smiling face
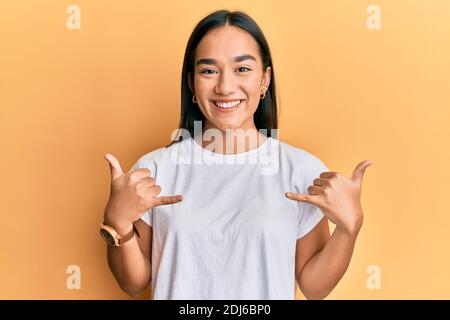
229,78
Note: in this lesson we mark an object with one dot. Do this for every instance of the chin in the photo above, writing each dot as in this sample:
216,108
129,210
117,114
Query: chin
229,126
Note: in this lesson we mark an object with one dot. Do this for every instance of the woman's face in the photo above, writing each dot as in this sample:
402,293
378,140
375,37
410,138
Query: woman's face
229,78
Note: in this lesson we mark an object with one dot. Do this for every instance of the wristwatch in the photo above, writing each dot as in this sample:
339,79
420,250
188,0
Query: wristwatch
112,237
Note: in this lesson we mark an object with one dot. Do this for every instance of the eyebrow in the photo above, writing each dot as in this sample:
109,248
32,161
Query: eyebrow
236,59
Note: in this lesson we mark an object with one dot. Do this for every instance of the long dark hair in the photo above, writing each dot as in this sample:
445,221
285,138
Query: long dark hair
265,116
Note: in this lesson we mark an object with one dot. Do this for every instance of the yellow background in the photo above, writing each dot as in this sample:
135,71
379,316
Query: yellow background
347,94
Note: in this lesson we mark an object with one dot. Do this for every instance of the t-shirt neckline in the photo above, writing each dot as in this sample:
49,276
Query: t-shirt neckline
233,156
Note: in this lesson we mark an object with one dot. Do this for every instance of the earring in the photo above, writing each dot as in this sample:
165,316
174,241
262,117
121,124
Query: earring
194,100
263,95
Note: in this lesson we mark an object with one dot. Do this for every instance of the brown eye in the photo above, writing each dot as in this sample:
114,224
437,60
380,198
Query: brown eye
241,69
207,71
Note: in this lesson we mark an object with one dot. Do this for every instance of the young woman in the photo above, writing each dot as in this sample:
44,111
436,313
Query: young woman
245,219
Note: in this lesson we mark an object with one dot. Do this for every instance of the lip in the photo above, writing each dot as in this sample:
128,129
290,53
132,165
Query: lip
226,110
226,100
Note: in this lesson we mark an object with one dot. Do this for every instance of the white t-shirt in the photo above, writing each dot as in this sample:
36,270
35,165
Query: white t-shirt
234,234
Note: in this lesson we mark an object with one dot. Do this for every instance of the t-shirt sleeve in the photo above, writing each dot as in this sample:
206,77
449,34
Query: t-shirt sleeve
150,164
310,214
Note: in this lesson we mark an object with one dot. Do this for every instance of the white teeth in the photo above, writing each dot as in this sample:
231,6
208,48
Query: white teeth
227,104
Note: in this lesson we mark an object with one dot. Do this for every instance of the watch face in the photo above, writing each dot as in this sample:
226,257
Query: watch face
107,236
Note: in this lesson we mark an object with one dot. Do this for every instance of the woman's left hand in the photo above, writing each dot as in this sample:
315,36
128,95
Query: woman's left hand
338,196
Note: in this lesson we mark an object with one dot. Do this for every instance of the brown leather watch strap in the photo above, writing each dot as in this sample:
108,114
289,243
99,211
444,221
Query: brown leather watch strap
127,237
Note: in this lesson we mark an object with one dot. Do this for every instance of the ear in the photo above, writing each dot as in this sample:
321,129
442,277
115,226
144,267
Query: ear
190,81
265,82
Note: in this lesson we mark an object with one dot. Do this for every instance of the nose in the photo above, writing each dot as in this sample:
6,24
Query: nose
225,84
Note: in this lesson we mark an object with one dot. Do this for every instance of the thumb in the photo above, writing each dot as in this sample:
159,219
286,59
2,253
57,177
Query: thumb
358,173
114,165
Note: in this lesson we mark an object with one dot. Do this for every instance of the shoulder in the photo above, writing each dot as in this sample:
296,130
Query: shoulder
299,157
158,156
304,165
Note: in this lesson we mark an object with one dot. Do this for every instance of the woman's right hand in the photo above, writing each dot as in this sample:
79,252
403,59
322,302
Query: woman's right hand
132,194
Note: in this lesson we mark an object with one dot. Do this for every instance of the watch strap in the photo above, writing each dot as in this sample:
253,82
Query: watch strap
127,237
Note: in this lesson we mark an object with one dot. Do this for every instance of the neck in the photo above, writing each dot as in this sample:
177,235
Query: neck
231,141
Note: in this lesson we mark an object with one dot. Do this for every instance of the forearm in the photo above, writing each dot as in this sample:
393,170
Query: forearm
130,267
324,270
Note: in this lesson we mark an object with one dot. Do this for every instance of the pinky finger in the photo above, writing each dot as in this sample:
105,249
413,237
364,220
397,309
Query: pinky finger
164,200
302,197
